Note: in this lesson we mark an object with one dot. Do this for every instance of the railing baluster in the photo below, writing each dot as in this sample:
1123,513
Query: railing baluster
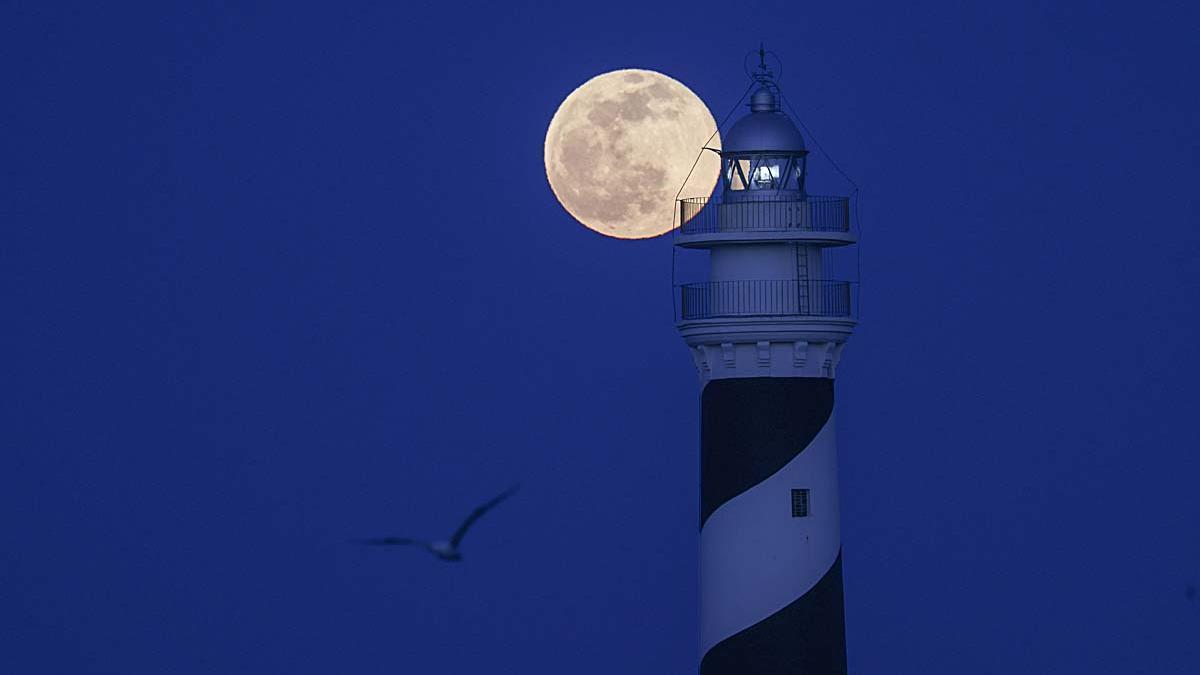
761,297
813,214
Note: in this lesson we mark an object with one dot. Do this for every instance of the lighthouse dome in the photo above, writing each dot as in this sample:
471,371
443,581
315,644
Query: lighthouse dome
763,130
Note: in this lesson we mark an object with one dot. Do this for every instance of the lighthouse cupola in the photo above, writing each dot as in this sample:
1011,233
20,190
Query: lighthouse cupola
763,154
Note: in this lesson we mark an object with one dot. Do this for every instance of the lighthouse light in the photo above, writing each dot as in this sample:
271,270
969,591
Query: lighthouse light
766,176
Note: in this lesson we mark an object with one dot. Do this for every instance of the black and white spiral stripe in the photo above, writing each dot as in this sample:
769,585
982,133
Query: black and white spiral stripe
771,583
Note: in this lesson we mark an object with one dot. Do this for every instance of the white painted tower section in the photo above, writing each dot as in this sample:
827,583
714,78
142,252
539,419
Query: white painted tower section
754,566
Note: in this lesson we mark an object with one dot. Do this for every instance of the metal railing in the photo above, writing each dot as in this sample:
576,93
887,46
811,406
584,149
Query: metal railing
812,214
768,297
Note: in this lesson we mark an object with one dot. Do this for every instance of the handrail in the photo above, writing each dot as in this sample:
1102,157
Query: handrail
766,297
700,215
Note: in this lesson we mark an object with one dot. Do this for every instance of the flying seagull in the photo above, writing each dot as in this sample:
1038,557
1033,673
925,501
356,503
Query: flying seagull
446,550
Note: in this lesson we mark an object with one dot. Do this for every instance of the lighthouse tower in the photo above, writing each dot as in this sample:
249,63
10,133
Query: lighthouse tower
766,331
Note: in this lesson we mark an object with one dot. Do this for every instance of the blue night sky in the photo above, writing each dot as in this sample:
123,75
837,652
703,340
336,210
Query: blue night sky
274,278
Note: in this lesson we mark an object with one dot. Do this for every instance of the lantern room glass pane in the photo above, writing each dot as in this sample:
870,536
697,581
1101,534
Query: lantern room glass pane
766,174
774,173
736,172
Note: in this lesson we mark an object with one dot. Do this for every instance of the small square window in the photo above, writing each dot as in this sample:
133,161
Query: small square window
800,503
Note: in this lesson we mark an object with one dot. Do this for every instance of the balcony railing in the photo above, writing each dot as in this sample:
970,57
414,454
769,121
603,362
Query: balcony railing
813,214
770,297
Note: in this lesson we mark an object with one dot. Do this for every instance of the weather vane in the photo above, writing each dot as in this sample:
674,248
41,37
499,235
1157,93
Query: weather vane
763,74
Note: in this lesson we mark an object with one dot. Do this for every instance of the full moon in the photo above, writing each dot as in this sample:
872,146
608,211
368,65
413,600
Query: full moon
621,145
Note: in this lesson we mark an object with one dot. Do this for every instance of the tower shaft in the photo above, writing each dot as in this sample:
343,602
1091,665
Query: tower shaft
770,547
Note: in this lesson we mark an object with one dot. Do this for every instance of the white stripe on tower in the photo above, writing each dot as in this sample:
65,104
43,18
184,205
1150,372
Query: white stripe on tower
755,558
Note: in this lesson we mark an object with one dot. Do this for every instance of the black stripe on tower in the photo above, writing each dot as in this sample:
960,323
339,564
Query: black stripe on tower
752,427
808,637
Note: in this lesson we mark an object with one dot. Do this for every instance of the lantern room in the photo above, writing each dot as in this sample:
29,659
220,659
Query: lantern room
763,155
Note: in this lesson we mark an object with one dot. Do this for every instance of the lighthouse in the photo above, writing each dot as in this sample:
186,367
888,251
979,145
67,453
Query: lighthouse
766,330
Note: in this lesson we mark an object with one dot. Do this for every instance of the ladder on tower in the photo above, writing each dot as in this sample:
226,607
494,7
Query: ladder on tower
803,303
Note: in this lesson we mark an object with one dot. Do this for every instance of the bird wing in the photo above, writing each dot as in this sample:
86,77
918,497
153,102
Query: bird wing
390,541
479,511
